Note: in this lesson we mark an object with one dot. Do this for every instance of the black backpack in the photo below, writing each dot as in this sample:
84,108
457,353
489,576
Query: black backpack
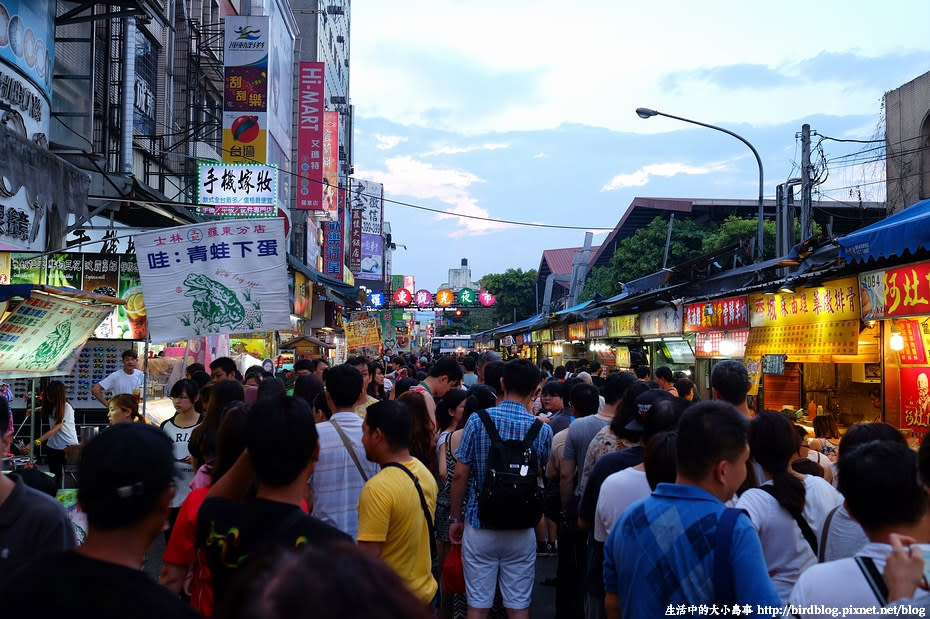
511,497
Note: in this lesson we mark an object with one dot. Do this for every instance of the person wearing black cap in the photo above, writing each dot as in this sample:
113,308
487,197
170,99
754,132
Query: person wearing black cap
125,486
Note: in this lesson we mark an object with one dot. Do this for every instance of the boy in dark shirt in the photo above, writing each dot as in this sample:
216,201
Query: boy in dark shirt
282,450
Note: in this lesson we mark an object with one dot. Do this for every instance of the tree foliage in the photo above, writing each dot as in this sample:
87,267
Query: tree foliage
514,288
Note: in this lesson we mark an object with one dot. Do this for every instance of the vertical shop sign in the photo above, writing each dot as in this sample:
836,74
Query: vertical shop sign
245,92
330,163
310,137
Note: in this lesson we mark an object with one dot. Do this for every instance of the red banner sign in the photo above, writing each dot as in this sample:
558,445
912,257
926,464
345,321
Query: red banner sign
717,315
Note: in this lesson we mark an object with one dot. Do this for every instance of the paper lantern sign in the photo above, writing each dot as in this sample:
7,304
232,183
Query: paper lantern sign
402,297
445,298
486,298
424,298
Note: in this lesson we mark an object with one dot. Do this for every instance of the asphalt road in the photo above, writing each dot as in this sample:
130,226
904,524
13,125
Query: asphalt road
543,606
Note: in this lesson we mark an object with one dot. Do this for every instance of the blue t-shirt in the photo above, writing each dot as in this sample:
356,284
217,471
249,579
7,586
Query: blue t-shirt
661,553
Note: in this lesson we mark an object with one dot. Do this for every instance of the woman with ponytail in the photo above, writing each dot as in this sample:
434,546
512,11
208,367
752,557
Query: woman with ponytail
788,508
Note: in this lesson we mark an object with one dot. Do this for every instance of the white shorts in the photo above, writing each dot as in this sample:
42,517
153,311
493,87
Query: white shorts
489,556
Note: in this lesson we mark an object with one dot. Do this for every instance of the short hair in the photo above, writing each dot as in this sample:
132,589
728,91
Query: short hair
271,387
480,396
446,366
520,377
201,378
665,373
615,385
335,579
684,386
594,367
642,372
357,361
281,438
731,380
493,373
224,363
709,432
307,386
585,399
861,433
881,485
488,356
315,363
344,385
553,387
129,352
304,364
123,473
193,368
659,458
403,385
469,363
393,418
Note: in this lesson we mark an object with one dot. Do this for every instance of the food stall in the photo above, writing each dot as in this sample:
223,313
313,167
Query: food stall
720,328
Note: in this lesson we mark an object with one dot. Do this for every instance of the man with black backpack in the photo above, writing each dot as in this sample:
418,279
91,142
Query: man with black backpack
503,450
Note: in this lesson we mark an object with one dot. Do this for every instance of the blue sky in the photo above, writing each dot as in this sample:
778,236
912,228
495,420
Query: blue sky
524,110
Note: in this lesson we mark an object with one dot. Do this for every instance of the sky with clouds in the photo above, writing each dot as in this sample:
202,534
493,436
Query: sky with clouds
523,111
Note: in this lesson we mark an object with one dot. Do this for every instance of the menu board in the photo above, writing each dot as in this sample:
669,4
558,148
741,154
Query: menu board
97,360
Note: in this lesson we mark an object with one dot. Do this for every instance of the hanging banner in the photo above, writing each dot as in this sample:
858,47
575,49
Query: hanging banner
245,96
330,163
717,315
903,291
915,399
214,278
834,301
44,332
310,136
362,333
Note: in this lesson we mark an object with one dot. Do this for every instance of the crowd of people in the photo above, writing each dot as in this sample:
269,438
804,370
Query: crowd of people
406,486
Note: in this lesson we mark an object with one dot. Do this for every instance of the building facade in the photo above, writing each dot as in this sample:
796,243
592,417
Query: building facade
907,143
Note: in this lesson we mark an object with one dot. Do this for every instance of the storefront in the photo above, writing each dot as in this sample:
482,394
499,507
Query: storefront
898,300
805,348
720,328
667,345
624,343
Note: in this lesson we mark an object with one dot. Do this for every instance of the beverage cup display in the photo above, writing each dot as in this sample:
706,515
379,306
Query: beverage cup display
135,312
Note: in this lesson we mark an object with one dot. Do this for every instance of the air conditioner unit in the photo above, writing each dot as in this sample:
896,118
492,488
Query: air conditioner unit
337,99
334,9
340,38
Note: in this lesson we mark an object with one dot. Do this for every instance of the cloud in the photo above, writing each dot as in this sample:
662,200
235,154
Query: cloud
387,142
456,150
406,176
643,175
540,156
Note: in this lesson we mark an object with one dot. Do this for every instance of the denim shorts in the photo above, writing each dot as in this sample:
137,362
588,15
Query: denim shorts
489,556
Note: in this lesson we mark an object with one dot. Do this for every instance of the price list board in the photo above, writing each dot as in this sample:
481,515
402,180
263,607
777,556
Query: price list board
97,360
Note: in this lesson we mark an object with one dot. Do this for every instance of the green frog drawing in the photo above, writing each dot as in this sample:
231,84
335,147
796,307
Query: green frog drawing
214,304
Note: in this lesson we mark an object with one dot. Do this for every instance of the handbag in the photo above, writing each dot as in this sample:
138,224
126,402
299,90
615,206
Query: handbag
453,576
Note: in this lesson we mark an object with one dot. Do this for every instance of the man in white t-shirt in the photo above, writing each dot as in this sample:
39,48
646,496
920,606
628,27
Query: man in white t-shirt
121,381
884,494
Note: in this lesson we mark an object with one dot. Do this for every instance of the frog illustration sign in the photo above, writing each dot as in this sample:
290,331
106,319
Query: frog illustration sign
214,277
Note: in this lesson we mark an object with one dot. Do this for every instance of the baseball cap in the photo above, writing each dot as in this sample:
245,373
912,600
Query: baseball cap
123,471
644,402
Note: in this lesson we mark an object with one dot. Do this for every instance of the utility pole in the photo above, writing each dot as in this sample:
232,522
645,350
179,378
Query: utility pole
807,228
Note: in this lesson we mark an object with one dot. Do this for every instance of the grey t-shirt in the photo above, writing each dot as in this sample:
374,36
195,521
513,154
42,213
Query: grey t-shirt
32,524
580,434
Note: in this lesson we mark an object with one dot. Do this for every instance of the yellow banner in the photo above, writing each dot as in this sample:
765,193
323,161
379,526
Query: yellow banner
622,326
834,301
362,333
823,338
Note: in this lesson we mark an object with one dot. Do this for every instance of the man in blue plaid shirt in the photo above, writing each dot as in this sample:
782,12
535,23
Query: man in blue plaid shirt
490,556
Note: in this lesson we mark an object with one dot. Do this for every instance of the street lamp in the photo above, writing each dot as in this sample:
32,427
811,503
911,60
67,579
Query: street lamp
645,112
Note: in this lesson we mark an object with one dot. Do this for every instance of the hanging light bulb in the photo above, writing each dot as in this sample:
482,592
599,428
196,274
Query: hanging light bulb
897,341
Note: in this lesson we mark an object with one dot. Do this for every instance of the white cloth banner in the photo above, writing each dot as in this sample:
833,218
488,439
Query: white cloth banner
214,277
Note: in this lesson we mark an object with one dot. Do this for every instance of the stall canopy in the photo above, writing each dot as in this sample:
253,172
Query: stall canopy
907,230
336,290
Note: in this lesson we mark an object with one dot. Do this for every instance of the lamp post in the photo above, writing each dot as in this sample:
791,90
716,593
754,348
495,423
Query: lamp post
645,112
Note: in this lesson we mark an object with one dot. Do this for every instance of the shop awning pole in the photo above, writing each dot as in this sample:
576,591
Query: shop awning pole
145,371
32,421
